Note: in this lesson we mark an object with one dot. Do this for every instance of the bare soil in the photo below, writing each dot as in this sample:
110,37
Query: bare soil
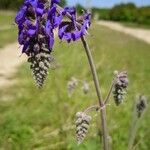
142,34
10,60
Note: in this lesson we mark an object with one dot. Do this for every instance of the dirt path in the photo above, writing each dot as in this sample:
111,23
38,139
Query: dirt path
142,34
9,61
7,27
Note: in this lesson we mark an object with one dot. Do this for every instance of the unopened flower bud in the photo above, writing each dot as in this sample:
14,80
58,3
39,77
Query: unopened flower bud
141,105
120,86
82,125
85,87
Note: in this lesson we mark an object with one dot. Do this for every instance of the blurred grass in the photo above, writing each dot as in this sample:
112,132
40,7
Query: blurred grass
34,119
7,29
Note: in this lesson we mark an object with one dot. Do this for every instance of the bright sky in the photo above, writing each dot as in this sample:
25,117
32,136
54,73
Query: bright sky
106,3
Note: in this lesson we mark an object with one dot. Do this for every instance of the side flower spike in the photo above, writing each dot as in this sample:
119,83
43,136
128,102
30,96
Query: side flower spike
74,29
36,35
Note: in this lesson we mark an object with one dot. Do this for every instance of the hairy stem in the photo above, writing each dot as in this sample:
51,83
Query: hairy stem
97,87
109,93
99,95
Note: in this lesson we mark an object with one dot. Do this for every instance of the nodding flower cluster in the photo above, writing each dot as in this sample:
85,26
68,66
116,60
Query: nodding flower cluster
82,125
141,105
120,86
36,22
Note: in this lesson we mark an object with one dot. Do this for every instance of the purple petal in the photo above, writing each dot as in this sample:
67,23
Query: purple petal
55,1
51,42
31,32
21,15
25,47
40,9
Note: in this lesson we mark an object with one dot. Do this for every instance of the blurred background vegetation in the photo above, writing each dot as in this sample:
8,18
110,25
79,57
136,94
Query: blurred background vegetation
125,12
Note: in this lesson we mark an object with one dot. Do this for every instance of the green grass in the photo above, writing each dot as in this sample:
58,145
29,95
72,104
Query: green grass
6,18
8,31
7,36
29,118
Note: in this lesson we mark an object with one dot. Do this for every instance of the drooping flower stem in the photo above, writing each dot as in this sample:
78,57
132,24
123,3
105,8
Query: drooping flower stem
94,107
99,95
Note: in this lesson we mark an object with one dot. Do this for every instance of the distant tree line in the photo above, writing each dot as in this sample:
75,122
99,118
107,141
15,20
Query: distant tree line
15,4
123,12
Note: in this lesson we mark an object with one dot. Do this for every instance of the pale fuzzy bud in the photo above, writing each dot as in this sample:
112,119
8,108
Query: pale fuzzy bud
82,125
115,73
141,105
72,84
85,87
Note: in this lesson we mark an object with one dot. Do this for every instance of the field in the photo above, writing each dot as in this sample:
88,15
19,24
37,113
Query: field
7,29
33,119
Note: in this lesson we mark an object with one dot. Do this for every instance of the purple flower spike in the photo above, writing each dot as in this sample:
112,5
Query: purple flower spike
36,21
73,30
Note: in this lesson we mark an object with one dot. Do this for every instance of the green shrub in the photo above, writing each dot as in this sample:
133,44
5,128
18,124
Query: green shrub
124,12
103,13
10,4
144,15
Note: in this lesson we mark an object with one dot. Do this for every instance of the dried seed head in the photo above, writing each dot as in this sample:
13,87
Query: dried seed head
120,86
72,84
82,125
141,105
39,64
85,87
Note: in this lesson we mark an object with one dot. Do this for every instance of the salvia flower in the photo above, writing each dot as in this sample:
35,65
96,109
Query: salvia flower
82,125
35,26
141,105
74,29
120,86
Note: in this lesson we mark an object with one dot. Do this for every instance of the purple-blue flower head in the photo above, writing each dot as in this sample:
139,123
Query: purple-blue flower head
37,17
74,29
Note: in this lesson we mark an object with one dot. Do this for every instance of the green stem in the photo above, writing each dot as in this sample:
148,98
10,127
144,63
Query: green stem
99,95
